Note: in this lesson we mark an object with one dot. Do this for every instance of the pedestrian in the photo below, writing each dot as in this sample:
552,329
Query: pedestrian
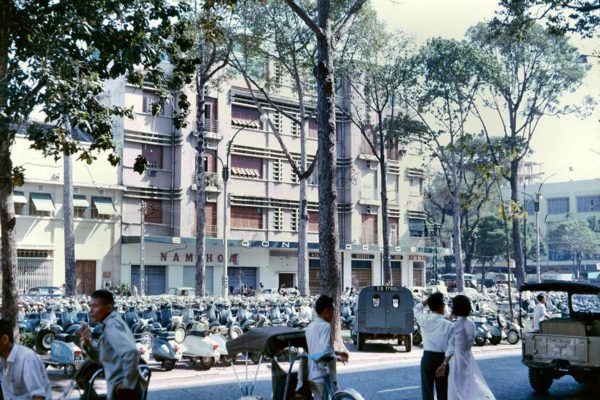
318,338
116,349
436,331
22,374
540,313
465,381
134,290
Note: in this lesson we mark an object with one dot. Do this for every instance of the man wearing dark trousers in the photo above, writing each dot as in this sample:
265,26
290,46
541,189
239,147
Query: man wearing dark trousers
436,331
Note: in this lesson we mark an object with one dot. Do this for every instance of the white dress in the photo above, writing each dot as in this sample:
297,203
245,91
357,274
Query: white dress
465,381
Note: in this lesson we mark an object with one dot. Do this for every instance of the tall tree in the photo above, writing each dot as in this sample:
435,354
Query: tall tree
274,35
328,34
452,73
533,70
379,73
40,43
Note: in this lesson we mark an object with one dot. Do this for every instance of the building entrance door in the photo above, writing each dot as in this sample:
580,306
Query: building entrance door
287,280
85,273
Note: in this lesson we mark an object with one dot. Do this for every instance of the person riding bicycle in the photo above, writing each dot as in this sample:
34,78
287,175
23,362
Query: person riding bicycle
318,338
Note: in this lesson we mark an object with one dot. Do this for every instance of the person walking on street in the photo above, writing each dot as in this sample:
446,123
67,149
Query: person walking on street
116,349
318,338
465,380
436,331
22,374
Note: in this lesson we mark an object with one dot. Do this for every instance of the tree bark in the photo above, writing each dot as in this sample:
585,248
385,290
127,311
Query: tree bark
516,224
457,246
387,265
303,273
200,281
327,159
7,208
69,237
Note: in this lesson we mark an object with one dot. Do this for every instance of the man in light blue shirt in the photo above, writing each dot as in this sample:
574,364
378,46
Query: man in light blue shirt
116,349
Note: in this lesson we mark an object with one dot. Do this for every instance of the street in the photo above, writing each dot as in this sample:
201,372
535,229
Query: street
382,372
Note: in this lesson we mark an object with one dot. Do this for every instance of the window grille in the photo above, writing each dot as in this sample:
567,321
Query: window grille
277,219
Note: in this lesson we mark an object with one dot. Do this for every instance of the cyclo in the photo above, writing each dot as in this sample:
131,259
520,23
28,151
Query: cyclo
283,345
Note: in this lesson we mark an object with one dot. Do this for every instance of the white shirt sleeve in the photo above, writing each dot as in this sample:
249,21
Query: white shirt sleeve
419,315
37,382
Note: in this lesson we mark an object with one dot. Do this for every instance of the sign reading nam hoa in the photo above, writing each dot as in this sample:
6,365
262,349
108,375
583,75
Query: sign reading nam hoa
189,258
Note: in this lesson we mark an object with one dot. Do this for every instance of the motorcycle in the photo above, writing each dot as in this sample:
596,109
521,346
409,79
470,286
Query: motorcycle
510,328
482,331
64,353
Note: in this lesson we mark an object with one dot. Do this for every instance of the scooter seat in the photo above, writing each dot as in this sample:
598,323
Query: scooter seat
65,337
199,333
167,335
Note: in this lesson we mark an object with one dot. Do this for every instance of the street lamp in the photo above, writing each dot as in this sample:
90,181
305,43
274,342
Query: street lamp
225,176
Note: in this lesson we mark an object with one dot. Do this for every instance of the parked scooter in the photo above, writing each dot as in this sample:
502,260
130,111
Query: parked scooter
166,350
482,331
511,329
64,353
199,347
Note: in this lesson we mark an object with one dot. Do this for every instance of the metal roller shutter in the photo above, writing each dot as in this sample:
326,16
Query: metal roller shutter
361,273
156,278
244,275
314,276
397,273
189,278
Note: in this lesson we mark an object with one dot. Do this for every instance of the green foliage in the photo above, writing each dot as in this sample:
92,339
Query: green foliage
575,236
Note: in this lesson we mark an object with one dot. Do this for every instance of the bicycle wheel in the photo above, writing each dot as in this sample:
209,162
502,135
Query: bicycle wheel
347,394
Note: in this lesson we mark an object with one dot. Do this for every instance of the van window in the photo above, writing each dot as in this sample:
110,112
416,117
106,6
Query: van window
376,300
396,301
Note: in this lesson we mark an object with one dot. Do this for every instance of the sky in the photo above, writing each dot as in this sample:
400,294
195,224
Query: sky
568,147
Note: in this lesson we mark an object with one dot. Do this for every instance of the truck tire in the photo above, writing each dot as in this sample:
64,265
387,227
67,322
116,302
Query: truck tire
540,380
408,343
360,338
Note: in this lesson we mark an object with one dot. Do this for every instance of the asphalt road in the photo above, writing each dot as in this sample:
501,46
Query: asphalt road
382,372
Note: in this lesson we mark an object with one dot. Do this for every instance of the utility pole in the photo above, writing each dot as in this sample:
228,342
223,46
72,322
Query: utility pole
142,287
538,267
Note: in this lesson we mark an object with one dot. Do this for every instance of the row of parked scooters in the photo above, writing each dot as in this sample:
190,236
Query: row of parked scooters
196,330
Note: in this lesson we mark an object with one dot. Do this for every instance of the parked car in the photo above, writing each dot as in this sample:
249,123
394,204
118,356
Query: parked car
46,291
182,291
566,345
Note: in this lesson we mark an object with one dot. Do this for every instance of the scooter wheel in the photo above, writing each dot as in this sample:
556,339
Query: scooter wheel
207,362
44,340
234,332
479,340
180,334
168,365
512,337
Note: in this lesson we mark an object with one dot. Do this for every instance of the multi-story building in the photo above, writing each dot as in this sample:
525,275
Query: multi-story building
559,202
113,204
40,228
263,196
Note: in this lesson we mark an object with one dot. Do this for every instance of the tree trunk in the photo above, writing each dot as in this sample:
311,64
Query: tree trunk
7,208
200,281
69,237
457,246
516,225
328,223
303,273
387,265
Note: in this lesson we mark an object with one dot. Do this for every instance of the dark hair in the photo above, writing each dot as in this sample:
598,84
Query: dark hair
323,303
436,301
6,328
461,306
540,297
104,295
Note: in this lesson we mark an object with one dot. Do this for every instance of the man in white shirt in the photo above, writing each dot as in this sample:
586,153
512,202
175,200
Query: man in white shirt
318,338
540,314
436,331
23,375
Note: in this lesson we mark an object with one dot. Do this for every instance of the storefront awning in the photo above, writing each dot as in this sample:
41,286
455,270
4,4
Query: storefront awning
19,197
104,205
42,202
80,201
